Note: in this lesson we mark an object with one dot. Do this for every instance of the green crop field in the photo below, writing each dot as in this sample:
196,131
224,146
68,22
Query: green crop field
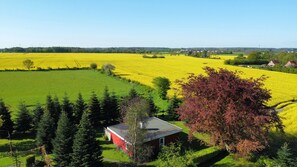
34,86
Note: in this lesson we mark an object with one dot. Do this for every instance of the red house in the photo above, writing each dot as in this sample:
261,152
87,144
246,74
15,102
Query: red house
159,133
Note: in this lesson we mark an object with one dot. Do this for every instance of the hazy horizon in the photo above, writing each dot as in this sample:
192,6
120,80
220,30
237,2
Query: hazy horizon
134,23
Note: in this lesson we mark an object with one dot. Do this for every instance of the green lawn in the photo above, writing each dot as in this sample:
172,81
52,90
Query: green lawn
34,86
114,156
23,149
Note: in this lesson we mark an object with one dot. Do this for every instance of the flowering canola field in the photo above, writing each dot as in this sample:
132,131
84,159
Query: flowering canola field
133,66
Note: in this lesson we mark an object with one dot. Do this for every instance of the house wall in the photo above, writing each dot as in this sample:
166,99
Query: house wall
119,142
168,139
154,143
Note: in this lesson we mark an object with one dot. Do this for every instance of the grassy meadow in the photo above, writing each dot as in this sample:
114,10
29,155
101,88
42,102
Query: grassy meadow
33,86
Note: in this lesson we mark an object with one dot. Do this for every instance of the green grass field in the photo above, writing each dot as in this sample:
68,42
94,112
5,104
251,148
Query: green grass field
34,86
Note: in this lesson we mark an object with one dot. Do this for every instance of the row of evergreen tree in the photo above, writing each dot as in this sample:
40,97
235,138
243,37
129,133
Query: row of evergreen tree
103,113
68,130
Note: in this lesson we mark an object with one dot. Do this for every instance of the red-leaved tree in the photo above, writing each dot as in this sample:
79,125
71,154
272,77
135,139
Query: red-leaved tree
230,109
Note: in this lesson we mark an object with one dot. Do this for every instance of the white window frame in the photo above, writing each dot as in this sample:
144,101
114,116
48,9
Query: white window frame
126,146
160,141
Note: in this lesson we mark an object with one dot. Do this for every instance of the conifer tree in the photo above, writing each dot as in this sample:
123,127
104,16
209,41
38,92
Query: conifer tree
106,107
115,113
86,150
1,121
79,108
285,157
153,107
6,118
23,120
133,93
38,112
173,105
45,131
62,144
57,110
95,111
50,106
67,107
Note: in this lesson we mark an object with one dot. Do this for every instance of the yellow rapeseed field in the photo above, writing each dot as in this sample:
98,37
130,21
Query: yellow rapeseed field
133,66
289,118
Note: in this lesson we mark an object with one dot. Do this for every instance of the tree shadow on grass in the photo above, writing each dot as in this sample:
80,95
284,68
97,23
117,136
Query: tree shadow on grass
276,141
194,145
214,160
20,146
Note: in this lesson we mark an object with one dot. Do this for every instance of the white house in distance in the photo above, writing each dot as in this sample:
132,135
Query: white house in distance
272,63
159,133
291,64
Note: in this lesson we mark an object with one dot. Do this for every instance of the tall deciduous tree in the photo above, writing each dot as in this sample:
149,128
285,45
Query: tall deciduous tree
125,102
95,111
93,66
23,120
162,85
86,150
108,69
7,125
137,113
28,64
232,110
45,131
62,144
79,107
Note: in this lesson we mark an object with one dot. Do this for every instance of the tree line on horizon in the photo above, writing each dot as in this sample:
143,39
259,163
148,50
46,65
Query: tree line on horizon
147,50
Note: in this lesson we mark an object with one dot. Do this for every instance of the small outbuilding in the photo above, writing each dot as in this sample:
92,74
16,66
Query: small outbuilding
159,133
291,64
273,63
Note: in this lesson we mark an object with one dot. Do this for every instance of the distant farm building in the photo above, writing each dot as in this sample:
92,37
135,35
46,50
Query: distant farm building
273,63
159,133
291,64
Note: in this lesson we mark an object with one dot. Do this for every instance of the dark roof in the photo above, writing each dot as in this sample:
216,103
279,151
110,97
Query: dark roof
292,61
156,128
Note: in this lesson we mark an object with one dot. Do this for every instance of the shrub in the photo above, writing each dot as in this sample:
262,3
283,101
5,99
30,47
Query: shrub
105,138
108,69
30,160
93,66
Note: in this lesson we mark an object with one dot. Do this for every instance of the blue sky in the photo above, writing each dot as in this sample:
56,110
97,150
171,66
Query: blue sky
148,23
